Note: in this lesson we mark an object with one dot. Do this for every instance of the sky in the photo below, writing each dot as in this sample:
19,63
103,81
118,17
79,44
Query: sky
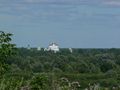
70,23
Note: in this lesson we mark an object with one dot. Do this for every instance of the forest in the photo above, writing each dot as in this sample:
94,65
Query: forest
83,69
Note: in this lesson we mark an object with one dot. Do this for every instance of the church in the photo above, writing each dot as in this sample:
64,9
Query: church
53,47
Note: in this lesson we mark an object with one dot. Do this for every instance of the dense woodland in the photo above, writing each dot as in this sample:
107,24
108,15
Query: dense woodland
84,69
86,66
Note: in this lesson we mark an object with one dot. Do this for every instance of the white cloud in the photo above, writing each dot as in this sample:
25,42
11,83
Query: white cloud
112,2
54,1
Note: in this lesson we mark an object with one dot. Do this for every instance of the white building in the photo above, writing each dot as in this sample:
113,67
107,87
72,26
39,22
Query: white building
54,47
70,49
39,48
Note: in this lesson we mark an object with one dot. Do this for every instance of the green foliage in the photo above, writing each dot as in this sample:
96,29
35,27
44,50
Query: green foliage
6,50
83,65
39,82
11,83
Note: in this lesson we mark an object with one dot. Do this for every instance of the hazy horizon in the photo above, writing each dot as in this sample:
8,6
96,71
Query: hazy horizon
70,23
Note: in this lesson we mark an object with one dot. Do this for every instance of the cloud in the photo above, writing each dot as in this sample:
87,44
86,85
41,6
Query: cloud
75,2
47,1
112,2
60,1
40,9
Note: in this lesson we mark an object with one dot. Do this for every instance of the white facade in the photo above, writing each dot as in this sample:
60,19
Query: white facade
70,49
53,47
39,48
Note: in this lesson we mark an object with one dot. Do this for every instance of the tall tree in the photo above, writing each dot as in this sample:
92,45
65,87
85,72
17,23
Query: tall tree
6,49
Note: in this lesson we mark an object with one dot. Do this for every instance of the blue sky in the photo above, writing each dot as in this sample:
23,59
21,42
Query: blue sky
70,23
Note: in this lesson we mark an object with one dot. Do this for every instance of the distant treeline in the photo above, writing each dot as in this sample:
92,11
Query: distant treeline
87,66
80,61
